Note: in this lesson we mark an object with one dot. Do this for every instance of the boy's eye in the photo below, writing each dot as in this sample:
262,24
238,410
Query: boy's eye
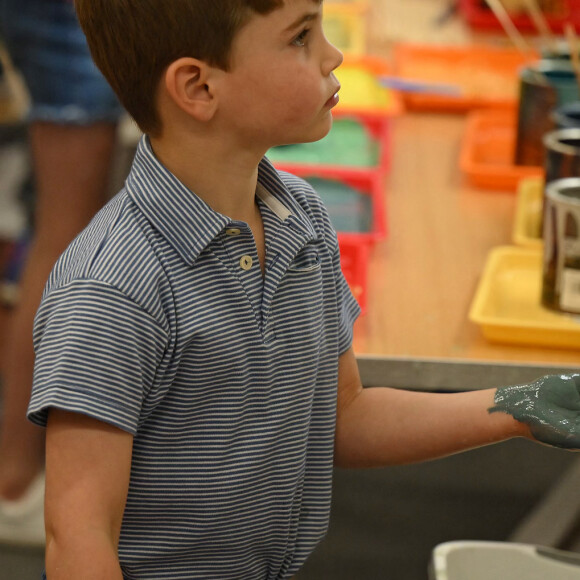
300,40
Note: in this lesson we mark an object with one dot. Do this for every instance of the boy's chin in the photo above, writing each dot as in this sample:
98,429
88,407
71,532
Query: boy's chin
315,134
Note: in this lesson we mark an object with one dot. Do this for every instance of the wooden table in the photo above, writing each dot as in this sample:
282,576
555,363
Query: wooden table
423,276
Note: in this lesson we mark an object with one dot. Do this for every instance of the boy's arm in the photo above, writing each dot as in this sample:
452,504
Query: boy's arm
381,426
88,465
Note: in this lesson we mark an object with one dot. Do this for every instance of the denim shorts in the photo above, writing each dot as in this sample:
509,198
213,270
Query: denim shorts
49,49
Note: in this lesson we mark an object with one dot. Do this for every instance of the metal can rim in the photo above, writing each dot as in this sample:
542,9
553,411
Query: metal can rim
553,140
554,190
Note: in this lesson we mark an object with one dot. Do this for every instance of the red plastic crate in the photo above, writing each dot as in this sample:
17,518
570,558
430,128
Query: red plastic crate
355,247
477,15
367,184
354,261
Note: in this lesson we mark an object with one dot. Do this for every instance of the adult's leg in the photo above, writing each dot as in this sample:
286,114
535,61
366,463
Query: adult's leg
72,130
71,165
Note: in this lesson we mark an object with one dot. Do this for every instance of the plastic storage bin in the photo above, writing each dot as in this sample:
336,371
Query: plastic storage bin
358,168
356,206
488,150
480,560
469,76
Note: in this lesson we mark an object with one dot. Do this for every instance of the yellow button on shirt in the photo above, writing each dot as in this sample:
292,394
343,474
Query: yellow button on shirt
246,262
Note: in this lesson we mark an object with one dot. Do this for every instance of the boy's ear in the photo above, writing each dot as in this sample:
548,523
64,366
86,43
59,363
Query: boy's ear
188,83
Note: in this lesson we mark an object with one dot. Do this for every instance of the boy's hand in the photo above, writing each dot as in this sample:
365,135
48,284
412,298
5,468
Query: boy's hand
549,406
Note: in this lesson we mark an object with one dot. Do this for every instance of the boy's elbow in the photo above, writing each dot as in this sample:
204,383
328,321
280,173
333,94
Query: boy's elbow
342,462
345,456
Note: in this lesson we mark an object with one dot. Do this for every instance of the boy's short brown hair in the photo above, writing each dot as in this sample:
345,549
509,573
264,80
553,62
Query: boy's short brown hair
134,41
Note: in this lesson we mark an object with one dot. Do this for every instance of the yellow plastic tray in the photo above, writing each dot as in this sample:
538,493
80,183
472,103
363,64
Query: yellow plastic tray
344,25
528,218
507,304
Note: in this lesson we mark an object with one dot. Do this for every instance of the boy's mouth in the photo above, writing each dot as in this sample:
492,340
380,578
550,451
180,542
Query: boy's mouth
333,101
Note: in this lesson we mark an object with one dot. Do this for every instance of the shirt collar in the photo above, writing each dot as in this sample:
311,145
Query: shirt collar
185,220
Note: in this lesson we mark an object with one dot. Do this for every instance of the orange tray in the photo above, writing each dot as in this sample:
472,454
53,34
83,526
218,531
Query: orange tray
488,150
484,76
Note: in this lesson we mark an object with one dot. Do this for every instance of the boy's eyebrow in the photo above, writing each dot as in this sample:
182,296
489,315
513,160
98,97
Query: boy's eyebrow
302,19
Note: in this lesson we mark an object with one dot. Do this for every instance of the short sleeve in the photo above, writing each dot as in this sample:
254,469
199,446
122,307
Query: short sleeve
97,353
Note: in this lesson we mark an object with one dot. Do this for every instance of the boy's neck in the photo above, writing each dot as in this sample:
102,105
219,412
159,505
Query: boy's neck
222,175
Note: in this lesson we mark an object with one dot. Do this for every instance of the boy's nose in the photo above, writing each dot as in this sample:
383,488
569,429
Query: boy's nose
333,59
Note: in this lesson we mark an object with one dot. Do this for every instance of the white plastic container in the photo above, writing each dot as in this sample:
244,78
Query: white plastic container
477,560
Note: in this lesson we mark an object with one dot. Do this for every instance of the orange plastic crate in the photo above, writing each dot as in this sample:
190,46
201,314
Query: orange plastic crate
488,150
483,76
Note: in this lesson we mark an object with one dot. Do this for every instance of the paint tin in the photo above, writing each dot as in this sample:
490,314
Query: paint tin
561,262
562,154
561,160
544,86
559,50
567,116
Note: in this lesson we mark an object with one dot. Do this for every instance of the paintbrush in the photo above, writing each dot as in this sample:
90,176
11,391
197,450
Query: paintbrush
540,22
509,27
515,36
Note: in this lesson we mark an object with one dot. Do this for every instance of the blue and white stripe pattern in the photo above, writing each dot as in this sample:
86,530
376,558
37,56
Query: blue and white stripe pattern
155,320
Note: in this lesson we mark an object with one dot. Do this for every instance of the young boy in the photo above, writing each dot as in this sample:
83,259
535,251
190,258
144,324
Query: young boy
194,361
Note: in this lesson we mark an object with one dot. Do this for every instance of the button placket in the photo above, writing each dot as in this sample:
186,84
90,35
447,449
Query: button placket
246,261
239,246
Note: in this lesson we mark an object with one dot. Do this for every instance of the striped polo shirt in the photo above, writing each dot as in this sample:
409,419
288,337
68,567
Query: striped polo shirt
158,320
